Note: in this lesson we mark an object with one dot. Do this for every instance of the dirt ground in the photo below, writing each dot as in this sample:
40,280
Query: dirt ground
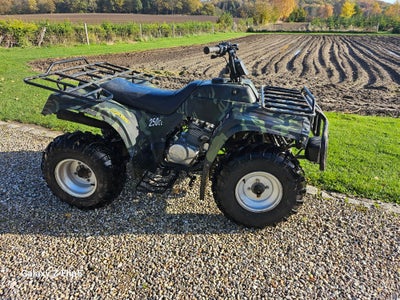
354,73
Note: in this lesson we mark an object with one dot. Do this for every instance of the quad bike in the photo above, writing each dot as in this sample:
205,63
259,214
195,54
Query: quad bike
240,138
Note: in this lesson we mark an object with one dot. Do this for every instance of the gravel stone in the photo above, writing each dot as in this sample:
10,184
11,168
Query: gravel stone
145,246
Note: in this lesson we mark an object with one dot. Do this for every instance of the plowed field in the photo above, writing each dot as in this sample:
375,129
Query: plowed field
355,74
99,18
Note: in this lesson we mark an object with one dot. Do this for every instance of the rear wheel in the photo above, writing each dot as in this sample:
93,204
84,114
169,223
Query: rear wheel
259,189
82,170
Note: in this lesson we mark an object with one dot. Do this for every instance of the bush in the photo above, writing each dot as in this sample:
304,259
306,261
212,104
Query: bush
225,21
17,33
60,33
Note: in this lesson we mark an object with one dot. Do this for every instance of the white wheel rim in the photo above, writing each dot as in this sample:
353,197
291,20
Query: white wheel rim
259,192
75,178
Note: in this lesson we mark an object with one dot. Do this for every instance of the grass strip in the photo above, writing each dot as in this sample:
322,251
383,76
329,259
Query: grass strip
363,158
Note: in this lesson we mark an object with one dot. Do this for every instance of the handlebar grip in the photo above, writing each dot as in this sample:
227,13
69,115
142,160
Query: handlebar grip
208,50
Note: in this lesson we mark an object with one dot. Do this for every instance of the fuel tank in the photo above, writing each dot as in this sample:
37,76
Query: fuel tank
211,100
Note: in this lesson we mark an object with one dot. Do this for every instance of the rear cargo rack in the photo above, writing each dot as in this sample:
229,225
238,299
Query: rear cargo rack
78,78
288,101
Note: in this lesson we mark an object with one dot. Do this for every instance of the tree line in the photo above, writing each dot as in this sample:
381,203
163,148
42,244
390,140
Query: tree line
106,6
258,12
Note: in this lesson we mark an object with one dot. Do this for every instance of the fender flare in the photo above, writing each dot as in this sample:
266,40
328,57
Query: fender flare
123,120
250,122
258,122
118,116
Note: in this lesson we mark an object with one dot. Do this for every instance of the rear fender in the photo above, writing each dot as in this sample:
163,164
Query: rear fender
122,119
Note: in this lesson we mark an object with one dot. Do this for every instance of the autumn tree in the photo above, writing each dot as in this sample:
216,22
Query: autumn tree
376,9
246,10
325,11
207,9
31,5
393,11
46,6
118,4
298,15
284,7
191,6
265,12
169,6
24,7
348,9
5,7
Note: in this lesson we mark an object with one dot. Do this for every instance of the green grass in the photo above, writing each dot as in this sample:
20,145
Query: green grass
364,152
363,159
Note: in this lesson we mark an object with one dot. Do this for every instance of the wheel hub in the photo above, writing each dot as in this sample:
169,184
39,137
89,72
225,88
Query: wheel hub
83,172
75,178
259,192
258,188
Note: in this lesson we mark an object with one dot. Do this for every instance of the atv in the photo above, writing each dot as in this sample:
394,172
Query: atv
245,141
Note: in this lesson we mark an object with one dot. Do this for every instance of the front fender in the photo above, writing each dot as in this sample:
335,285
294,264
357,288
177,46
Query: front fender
260,121
123,120
257,120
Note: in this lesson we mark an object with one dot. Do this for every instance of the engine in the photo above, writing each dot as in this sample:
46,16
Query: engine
189,143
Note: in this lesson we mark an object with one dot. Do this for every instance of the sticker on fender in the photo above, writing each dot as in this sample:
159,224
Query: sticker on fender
120,115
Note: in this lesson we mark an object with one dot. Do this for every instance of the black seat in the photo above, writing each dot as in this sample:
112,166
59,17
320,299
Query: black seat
148,98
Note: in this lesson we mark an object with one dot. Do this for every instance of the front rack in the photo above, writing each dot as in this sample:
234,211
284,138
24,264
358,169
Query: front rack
78,78
288,101
298,103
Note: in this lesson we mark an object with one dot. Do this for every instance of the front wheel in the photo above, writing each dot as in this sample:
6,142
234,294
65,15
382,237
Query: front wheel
82,170
259,189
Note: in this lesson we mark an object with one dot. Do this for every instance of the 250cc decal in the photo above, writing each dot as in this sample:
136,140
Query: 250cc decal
154,122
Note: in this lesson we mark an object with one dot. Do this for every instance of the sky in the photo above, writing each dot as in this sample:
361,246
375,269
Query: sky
390,1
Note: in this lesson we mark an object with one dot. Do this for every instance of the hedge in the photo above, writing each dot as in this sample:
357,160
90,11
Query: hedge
15,33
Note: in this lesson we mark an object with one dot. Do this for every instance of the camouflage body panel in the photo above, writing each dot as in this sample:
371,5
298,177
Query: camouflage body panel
254,119
118,116
136,128
236,106
214,98
155,127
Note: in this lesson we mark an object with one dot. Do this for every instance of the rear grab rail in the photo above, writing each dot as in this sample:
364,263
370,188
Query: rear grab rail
79,78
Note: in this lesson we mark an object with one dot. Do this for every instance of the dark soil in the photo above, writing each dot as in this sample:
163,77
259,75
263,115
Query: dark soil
99,18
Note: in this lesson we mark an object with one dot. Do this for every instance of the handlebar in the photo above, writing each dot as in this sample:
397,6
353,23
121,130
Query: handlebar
221,49
235,66
208,50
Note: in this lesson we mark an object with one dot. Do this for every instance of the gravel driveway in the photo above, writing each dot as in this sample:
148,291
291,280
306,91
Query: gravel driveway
177,247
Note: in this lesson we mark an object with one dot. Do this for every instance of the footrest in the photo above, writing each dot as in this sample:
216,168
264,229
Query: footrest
158,182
